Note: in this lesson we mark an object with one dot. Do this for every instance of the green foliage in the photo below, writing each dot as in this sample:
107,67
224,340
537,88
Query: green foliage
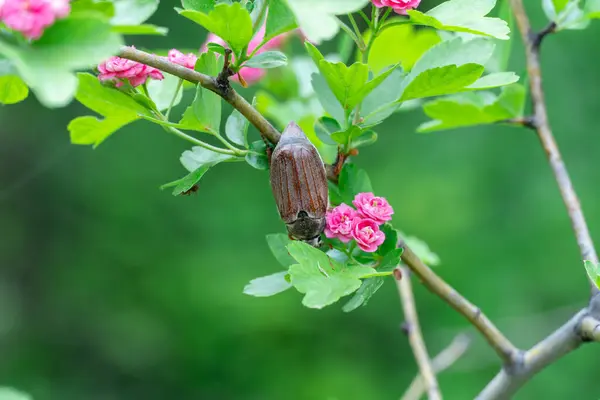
117,108
187,182
145,29
463,16
280,19
328,100
322,279
268,59
353,181
593,271
350,85
133,12
47,65
11,394
268,285
165,91
317,18
472,109
422,250
198,157
12,89
236,128
257,157
204,6
231,22
571,14
278,244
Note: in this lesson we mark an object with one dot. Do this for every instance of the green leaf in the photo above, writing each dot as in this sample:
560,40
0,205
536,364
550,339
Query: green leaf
268,59
187,182
268,285
494,80
144,29
204,114
216,48
117,108
568,16
463,16
385,50
199,156
501,56
280,19
366,138
103,9
162,92
592,8
442,80
133,12
317,18
47,65
323,280
593,271
391,240
474,109
350,85
382,101
327,99
324,128
422,250
353,181
12,394
345,137
257,157
231,22
278,244
335,197
236,128
204,6
12,89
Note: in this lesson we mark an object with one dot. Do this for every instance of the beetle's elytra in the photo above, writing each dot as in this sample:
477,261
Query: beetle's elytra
299,184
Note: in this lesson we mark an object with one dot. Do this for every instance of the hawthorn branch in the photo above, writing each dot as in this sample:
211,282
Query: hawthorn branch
415,337
503,347
444,360
532,43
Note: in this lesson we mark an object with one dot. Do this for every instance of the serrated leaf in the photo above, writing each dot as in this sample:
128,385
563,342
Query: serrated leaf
442,80
230,22
463,16
133,12
266,60
327,99
12,89
257,157
268,285
474,109
280,19
187,182
317,18
498,62
236,128
278,244
199,156
353,181
322,279
382,101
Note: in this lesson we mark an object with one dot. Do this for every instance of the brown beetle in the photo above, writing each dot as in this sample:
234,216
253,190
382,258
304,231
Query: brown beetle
299,184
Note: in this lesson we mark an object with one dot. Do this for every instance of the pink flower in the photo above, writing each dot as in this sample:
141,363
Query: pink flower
250,75
31,17
367,235
177,57
375,208
117,68
399,6
340,222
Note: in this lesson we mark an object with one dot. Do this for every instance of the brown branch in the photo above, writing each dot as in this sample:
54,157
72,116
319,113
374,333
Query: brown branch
503,347
415,337
532,48
444,360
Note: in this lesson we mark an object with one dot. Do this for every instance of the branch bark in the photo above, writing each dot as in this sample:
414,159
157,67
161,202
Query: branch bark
415,337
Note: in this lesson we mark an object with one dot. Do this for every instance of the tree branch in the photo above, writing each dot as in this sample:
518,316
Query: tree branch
415,337
444,360
503,347
532,49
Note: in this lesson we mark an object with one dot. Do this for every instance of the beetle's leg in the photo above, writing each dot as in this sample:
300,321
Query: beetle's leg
269,148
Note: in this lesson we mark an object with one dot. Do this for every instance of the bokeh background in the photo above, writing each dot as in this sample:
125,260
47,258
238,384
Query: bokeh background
113,289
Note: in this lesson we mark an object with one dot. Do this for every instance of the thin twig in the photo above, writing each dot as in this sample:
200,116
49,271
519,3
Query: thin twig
415,337
532,50
444,360
503,347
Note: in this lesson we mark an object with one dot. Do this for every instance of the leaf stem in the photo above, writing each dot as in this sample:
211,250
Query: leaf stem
361,42
179,85
198,142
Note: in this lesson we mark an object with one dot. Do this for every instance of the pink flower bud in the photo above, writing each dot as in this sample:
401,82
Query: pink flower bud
185,60
375,208
250,75
399,6
31,17
117,69
367,235
339,223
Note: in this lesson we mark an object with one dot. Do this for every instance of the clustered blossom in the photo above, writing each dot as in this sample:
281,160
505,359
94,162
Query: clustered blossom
399,6
345,223
185,60
250,75
32,17
118,69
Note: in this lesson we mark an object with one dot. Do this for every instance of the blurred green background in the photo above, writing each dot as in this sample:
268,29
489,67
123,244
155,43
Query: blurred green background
113,289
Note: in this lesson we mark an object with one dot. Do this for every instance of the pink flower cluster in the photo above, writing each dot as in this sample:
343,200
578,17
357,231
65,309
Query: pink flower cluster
399,6
362,224
31,17
250,75
185,60
118,69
